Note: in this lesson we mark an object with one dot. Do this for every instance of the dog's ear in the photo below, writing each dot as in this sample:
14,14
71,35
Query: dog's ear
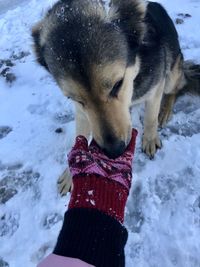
129,15
38,47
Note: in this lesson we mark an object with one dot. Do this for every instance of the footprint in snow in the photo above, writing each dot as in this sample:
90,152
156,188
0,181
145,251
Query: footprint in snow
16,180
3,263
63,118
45,249
4,131
187,129
9,223
135,217
7,64
51,219
8,75
181,18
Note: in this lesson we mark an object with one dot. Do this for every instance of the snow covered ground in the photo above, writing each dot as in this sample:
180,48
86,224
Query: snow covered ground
10,4
37,130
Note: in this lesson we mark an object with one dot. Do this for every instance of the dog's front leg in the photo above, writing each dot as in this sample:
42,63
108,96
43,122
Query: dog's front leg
82,128
151,140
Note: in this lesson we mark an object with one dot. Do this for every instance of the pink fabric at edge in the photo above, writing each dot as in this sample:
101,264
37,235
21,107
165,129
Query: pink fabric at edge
58,261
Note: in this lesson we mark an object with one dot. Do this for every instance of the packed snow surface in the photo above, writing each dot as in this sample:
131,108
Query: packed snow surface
37,131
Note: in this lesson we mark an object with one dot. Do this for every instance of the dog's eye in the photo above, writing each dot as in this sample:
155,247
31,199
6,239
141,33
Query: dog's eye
116,88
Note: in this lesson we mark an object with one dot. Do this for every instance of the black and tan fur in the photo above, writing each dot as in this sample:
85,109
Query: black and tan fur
108,61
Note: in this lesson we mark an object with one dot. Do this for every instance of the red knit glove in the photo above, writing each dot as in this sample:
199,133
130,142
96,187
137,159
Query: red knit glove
98,181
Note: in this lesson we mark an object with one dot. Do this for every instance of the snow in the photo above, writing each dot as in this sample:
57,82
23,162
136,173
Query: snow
163,211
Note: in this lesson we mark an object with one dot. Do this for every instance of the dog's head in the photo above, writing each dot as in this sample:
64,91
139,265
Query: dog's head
93,57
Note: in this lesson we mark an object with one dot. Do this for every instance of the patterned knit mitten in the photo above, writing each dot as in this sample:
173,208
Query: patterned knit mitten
100,182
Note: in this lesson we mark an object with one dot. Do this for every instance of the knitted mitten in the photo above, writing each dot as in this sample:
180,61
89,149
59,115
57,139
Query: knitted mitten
100,182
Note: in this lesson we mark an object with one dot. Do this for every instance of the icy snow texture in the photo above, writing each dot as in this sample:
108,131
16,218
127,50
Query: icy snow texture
37,130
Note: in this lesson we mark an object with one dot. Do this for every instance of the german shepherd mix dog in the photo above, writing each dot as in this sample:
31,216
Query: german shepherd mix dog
108,61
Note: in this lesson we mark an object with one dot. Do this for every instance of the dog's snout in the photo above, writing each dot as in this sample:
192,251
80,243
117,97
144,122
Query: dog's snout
114,149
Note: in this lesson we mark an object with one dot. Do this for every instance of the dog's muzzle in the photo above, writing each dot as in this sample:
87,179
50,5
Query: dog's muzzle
115,149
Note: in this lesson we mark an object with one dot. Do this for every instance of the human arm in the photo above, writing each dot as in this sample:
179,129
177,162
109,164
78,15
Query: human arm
93,230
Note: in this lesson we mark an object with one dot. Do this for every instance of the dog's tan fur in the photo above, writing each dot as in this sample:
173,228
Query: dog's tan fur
96,105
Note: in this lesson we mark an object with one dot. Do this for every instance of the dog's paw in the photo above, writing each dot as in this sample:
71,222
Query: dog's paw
150,147
64,183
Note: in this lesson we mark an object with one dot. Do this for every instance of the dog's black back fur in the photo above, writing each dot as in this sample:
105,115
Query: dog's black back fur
158,17
161,41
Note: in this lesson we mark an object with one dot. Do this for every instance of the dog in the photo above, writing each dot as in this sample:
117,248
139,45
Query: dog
108,60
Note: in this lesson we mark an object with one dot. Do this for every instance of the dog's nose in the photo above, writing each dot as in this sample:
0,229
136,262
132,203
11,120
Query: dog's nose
115,149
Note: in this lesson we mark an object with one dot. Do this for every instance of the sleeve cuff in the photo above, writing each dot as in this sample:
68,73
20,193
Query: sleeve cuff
93,237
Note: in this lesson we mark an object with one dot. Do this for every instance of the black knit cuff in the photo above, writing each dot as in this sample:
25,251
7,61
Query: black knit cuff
93,237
